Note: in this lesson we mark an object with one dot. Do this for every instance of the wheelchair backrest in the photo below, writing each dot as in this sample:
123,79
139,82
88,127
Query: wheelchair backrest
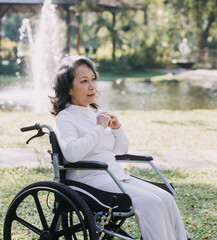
56,150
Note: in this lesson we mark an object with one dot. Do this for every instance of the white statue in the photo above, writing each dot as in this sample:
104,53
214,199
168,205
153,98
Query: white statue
184,49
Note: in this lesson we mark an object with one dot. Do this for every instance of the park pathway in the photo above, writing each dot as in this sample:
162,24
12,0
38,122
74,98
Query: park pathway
163,159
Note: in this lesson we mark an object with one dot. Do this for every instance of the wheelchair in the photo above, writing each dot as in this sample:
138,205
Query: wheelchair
65,209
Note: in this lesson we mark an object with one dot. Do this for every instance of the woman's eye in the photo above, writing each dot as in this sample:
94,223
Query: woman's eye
84,81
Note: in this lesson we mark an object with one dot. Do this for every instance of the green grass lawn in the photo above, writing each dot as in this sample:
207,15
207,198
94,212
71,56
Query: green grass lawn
9,79
196,196
153,75
147,131
131,76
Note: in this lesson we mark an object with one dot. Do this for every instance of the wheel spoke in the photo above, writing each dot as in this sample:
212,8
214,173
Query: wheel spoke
69,230
28,225
63,232
57,215
40,211
75,236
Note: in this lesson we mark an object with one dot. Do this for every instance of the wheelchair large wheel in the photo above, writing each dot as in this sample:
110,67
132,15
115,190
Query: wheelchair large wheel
49,211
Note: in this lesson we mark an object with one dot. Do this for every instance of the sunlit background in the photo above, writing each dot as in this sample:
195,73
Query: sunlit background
146,38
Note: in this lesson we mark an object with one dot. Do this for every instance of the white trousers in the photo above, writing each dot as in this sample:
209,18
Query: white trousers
156,212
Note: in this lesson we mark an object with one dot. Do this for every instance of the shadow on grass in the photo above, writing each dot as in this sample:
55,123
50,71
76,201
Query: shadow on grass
130,75
196,198
148,174
197,203
182,123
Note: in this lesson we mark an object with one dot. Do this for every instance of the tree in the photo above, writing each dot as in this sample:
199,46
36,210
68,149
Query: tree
201,14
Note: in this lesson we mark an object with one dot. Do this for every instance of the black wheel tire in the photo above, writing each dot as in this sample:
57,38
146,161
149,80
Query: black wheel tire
39,204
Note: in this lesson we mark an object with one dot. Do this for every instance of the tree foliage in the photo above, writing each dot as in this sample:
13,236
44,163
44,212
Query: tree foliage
200,15
146,34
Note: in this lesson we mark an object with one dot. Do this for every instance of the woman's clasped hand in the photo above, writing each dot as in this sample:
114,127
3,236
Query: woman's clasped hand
106,119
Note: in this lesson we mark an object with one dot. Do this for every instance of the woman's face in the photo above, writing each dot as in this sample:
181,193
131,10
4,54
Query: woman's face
83,89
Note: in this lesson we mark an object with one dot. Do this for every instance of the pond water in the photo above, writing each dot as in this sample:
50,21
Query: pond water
119,95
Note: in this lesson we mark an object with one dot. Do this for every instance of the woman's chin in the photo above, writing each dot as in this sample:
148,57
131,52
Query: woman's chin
91,99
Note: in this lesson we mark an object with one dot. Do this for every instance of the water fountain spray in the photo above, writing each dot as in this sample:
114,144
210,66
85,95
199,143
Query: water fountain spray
46,50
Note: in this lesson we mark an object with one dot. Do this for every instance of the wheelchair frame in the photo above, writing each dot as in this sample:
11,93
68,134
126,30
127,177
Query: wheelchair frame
102,218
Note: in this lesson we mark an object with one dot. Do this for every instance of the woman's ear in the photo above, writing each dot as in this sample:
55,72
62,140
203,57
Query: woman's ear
70,91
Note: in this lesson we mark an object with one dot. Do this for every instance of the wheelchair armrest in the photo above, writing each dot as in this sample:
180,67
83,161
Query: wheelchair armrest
133,157
87,165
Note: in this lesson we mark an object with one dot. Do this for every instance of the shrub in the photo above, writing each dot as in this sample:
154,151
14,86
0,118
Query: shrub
10,68
106,65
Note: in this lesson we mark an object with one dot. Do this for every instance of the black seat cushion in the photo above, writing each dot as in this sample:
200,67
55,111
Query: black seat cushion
99,200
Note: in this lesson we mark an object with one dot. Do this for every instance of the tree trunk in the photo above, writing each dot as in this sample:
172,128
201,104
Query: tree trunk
202,39
145,15
78,34
68,24
113,36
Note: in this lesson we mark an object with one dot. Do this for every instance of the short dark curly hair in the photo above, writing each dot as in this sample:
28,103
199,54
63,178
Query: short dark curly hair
63,81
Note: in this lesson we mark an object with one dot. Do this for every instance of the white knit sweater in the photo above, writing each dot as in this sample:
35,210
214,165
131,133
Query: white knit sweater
80,138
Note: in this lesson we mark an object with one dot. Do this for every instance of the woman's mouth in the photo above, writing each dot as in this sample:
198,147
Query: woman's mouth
91,95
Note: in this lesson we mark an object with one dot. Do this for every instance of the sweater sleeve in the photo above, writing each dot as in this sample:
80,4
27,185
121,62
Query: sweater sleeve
73,147
121,141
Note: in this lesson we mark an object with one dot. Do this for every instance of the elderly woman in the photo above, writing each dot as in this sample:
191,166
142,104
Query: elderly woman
86,133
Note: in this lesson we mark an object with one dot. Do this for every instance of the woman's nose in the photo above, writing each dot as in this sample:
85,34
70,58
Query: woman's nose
92,85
